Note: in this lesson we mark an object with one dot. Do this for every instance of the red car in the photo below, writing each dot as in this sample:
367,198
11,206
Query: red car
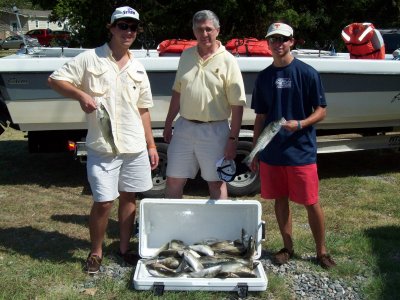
48,37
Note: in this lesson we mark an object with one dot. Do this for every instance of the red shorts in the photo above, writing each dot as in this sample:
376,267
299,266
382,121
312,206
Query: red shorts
298,183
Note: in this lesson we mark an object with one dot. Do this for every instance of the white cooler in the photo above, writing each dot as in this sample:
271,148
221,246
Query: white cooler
194,220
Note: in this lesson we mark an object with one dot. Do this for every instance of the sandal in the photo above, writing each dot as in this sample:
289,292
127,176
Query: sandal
326,261
282,256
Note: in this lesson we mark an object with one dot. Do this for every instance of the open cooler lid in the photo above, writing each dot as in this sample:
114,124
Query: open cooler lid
195,220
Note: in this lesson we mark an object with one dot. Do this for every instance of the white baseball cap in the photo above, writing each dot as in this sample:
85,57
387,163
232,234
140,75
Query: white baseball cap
124,12
279,28
226,169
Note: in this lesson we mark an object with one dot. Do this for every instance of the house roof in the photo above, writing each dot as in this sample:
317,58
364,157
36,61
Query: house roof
29,12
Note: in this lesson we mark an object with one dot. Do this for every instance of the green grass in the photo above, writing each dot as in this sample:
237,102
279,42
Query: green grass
7,52
45,200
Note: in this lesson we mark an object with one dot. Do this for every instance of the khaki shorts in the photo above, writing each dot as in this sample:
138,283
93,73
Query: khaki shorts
108,174
196,146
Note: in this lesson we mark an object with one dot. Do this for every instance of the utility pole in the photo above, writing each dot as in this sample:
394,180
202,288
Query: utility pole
19,27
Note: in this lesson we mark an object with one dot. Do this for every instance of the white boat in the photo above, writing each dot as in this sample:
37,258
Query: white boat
360,93
363,96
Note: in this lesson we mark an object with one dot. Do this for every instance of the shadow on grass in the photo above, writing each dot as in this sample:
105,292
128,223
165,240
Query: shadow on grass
41,245
18,166
112,228
358,163
385,242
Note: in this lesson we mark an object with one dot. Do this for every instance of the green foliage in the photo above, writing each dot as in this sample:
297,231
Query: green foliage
9,4
314,21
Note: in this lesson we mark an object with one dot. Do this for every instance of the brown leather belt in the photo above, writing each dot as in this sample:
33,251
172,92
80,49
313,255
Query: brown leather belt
200,122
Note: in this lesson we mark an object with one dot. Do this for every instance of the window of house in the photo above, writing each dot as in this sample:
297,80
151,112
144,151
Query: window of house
14,26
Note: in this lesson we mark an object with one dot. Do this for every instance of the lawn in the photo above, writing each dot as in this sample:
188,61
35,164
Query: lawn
45,201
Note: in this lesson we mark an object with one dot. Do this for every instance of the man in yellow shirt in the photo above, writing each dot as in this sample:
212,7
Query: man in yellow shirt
208,89
110,84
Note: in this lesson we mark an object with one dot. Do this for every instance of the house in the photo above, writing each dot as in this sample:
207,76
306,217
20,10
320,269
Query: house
30,19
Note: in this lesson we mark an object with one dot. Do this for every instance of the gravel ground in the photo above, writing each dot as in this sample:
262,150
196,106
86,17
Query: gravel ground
305,282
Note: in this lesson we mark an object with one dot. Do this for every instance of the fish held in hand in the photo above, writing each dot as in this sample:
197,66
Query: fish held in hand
263,140
105,126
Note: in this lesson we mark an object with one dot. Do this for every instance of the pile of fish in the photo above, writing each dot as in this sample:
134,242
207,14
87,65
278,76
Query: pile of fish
205,259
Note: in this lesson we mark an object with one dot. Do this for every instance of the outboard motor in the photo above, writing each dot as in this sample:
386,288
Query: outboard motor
396,54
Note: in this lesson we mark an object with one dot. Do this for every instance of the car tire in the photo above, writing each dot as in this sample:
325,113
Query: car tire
159,175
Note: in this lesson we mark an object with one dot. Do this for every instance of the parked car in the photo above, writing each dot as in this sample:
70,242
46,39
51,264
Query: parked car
17,42
62,37
48,37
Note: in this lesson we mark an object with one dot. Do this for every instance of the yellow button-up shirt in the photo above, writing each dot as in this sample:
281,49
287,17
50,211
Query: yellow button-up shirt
208,87
122,92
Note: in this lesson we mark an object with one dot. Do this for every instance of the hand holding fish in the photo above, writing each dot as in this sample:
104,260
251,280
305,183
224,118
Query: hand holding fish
88,104
292,125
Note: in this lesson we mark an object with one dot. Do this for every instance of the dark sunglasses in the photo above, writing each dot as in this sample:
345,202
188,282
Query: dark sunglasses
279,39
125,26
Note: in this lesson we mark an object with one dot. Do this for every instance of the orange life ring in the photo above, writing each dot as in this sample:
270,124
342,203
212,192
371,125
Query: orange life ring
174,46
363,41
248,47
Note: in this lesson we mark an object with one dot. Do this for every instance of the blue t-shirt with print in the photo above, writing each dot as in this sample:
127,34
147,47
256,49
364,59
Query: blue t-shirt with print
291,92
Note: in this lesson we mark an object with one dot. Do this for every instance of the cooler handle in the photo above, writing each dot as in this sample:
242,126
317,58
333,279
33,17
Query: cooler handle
158,288
242,289
262,230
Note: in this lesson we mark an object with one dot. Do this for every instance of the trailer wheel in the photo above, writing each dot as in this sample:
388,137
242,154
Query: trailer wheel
159,175
246,182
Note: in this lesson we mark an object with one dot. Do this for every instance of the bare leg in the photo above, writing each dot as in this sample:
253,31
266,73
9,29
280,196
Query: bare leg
126,218
174,189
284,218
217,189
316,221
98,221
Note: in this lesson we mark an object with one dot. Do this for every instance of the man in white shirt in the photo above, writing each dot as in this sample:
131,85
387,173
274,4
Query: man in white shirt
113,87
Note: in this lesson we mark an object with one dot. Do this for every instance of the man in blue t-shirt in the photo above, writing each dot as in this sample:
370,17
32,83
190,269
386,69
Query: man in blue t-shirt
291,89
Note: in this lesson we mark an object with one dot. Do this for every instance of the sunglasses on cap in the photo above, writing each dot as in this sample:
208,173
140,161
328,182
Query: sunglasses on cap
125,26
279,39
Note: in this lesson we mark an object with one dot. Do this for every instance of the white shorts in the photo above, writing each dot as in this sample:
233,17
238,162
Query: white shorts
194,146
108,174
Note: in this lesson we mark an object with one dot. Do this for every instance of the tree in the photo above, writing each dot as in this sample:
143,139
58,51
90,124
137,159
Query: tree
315,21
9,4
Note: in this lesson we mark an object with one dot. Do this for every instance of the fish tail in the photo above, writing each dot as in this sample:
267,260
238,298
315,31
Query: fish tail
246,160
115,150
